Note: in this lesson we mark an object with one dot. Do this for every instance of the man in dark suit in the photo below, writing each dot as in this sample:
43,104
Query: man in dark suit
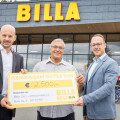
10,62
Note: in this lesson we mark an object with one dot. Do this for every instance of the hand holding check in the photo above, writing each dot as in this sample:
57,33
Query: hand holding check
80,80
5,102
79,102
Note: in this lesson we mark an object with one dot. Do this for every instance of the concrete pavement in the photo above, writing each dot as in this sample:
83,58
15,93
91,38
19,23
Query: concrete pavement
31,114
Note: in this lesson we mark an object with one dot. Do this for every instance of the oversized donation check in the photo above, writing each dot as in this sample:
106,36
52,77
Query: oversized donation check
42,88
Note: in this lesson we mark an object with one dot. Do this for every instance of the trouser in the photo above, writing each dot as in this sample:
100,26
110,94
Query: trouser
5,114
68,117
100,119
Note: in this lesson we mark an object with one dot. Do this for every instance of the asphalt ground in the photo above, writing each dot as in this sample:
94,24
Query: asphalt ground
31,114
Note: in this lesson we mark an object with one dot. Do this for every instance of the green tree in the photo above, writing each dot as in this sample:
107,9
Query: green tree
3,0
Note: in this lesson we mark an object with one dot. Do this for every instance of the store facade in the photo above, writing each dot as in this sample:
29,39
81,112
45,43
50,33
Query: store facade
38,23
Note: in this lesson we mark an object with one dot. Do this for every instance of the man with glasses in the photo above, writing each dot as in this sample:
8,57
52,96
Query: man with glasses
99,89
55,63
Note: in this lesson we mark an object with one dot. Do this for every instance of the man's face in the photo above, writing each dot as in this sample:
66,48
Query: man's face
57,50
98,46
7,37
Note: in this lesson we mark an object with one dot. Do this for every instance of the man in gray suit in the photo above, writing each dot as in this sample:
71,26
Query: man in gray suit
99,88
10,62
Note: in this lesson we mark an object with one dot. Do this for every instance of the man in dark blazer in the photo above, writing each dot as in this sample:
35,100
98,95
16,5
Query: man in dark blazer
10,62
99,88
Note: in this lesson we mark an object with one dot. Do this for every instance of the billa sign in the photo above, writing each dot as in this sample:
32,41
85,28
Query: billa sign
24,12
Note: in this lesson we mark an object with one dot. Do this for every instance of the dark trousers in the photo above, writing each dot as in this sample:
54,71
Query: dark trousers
5,114
68,117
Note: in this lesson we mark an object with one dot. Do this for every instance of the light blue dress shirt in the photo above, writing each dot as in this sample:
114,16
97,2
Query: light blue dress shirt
94,65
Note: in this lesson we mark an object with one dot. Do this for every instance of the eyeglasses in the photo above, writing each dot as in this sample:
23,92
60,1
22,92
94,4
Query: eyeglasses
55,47
97,44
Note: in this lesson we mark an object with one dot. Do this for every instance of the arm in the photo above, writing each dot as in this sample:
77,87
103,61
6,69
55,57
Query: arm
5,103
3,100
110,79
1,97
23,71
80,80
84,117
21,63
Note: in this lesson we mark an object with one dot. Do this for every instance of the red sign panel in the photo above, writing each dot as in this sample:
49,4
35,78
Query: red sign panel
118,78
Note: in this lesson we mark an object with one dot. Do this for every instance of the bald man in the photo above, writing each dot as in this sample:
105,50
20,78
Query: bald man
10,62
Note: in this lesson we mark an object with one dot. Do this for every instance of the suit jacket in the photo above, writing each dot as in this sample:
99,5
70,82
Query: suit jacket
17,66
99,91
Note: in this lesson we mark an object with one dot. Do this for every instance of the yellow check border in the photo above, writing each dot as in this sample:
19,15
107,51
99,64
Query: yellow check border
46,103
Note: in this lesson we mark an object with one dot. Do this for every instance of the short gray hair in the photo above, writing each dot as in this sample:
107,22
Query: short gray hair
57,40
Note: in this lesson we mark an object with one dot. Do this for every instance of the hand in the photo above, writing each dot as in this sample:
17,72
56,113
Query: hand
23,71
84,117
79,102
5,103
80,80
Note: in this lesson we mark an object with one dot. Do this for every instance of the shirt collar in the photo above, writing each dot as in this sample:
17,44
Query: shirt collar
100,58
2,48
50,61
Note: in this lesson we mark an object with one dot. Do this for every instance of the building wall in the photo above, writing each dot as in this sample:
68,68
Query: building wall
91,11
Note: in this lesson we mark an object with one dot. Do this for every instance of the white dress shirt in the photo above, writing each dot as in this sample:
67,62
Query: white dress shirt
7,68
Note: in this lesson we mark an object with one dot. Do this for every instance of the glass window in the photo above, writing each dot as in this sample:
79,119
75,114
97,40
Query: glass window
68,39
49,38
113,37
35,45
33,59
35,48
81,45
113,48
45,57
68,58
47,41
81,63
22,42
46,48
80,49
117,59
113,43
36,39
22,48
68,48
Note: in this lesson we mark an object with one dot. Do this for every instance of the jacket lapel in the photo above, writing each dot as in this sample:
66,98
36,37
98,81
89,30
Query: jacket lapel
88,71
14,62
1,72
98,66
86,78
